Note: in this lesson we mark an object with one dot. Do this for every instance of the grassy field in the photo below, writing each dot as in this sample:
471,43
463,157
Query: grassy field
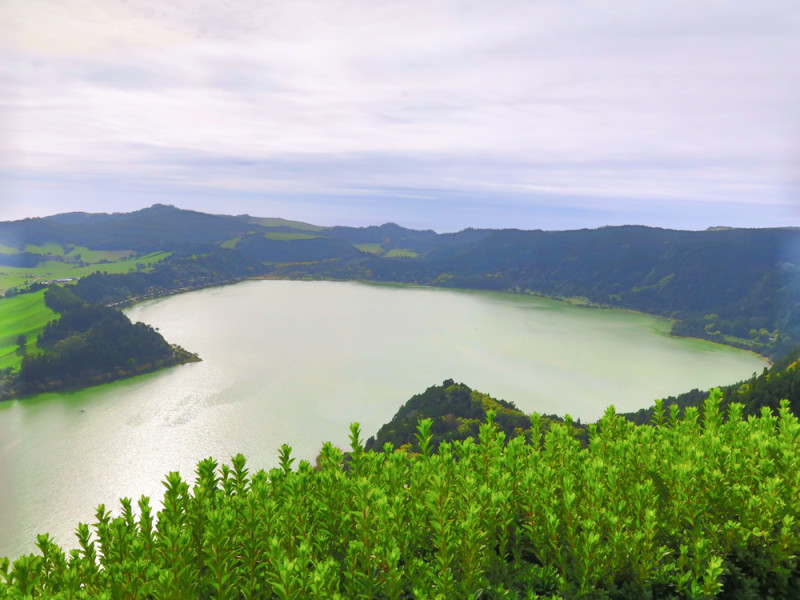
72,252
8,249
371,248
274,222
400,253
285,236
95,256
46,249
26,315
52,269
231,243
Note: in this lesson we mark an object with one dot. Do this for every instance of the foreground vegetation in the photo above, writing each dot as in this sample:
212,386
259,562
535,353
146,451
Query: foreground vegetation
692,507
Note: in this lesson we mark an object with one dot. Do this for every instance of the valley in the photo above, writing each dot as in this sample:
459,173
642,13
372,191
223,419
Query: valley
737,287
296,362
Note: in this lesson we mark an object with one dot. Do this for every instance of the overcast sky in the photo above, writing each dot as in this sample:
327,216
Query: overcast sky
440,114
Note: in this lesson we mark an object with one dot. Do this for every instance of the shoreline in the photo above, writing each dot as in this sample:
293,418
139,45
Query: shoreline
583,303
182,357
530,293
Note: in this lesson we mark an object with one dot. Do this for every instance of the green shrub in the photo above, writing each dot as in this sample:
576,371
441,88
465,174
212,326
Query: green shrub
689,507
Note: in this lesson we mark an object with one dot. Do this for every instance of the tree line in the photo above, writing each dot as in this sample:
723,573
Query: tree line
89,344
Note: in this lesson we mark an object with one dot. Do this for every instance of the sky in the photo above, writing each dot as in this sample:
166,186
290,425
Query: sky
437,114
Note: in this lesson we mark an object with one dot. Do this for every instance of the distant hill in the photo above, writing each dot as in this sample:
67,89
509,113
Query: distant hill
735,286
456,413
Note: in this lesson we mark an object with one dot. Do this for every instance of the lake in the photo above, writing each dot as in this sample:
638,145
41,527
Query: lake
297,362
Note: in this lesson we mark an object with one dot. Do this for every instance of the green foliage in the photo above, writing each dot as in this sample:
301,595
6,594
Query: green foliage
87,345
25,316
376,249
401,253
698,507
454,411
289,236
273,223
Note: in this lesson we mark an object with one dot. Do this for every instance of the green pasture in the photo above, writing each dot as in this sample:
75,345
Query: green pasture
370,248
52,269
8,249
231,243
95,256
72,252
401,253
277,222
285,236
51,249
26,315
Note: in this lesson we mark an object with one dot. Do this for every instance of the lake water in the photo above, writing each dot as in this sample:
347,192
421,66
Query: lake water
297,362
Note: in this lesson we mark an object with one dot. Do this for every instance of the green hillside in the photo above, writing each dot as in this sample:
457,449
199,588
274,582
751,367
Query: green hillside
25,315
456,413
48,269
739,287
87,344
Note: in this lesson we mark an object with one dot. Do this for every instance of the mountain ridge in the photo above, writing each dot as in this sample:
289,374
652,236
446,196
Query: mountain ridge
737,286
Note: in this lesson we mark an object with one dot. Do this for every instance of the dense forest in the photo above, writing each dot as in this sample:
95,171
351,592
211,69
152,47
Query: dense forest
695,507
183,271
456,413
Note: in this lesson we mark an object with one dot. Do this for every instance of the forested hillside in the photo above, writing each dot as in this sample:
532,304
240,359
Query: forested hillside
183,271
456,413
736,286
88,344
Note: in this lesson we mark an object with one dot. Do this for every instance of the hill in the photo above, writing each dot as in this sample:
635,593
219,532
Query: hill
456,413
87,344
735,286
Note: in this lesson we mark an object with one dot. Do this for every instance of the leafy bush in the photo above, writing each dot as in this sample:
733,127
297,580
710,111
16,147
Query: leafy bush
689,507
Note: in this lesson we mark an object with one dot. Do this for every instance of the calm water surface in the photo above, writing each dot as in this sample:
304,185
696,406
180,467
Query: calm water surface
297,362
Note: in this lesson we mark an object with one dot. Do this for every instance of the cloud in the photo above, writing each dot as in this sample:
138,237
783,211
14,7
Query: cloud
657,100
